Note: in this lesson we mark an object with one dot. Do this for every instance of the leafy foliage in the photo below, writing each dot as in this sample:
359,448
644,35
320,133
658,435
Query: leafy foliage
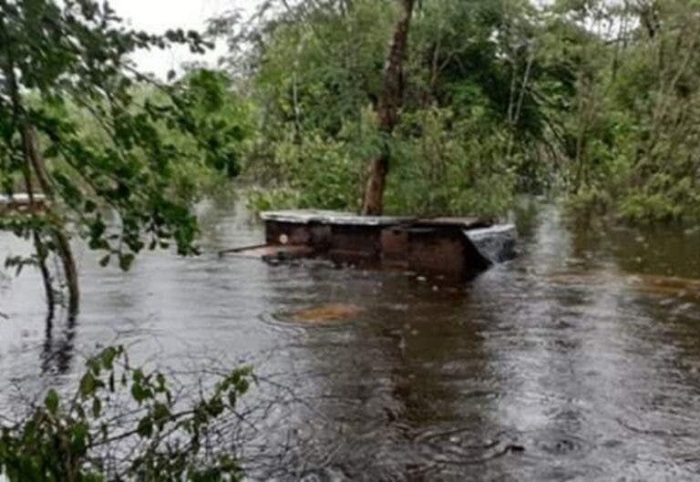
472,95
631,135
80,438
114,151
594,99
449,166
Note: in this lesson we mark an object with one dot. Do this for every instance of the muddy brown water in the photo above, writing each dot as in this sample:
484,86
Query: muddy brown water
580,360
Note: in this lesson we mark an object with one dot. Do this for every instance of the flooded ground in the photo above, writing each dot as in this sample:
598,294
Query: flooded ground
580,360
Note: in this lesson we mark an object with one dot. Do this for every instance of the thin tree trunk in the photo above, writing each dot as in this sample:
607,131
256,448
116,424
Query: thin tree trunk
388,107
8,70
29,149
39,247
63,247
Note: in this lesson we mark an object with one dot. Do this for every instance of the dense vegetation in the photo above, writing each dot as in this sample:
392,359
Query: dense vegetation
483,100
114,153
462,105
124,423
592,99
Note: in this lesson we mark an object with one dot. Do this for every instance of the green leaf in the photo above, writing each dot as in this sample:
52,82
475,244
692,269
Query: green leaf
88,385
107,357
215,407
105,260
145,427
125,261
79,438
242,386
140,393
161,414
51,402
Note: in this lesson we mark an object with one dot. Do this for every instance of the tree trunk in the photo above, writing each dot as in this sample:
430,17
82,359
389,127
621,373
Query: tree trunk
39,246
63,247
387,112
34,162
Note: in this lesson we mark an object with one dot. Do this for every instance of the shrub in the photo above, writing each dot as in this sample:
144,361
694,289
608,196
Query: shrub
82,438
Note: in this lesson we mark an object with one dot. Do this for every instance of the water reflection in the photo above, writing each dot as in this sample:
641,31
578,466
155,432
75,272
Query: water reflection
57,351
575,361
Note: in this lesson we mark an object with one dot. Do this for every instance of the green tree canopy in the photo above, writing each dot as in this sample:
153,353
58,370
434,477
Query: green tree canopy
75,127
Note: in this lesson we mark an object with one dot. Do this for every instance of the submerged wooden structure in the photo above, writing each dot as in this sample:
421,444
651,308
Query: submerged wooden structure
450,247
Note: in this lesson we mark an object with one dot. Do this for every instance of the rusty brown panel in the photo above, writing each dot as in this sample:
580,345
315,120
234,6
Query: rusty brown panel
274,230
287,233
439,250
321,237
434,247
436,254
362,239
353,257
394,242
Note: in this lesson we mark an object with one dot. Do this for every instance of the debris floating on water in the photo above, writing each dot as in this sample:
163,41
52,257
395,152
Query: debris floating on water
327,312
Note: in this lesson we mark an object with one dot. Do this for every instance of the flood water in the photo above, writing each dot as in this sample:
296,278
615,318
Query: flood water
579,360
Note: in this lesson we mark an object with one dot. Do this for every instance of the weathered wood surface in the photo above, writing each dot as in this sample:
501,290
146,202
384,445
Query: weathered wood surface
309,216
454,247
